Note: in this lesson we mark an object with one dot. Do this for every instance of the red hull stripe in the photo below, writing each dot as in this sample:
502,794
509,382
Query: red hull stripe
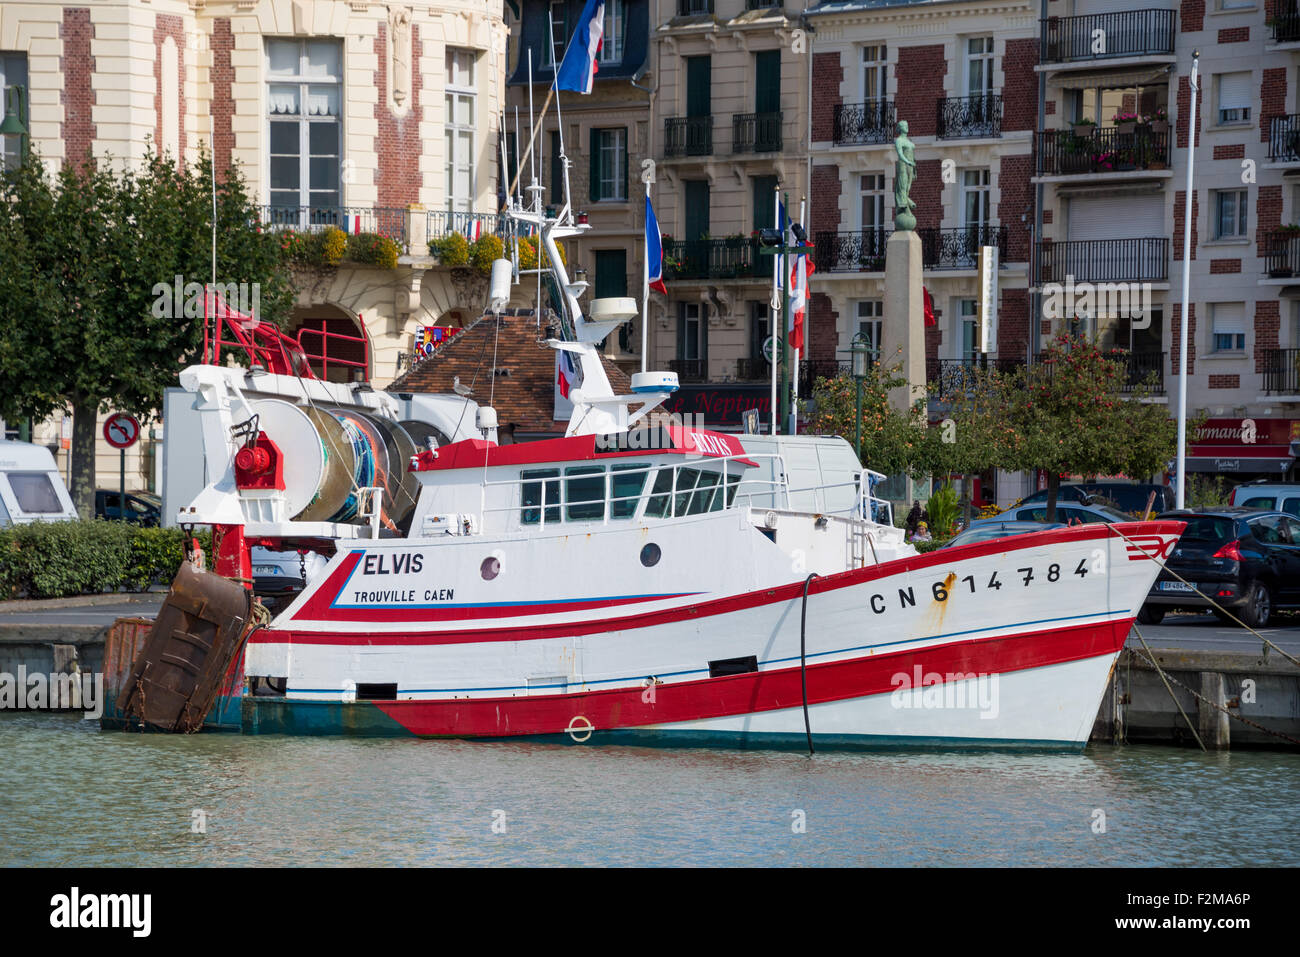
719,606
754,692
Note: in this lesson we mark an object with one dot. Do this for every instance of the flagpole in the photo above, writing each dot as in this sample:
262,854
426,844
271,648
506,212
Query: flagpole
803,280
774,308
1180,490
645,284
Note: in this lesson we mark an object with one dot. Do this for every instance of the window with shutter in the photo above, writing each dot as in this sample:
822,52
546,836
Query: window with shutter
1228,326
1234,97
609,165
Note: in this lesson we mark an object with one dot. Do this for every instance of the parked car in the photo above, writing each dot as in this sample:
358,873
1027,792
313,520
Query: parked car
1245,559
142,508
1125,496
31,489
1071,513
278,577
1273,496
999,528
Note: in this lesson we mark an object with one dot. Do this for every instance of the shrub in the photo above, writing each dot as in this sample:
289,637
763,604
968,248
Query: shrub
452,250
484,250
333,244
61,559
371,249
942,508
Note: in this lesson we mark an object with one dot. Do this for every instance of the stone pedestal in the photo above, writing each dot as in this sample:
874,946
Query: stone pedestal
904,320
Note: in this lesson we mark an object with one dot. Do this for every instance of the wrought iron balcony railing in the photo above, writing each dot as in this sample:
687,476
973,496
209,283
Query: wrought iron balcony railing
443,223
1106,36
1285,26
1284,138
965,117
1282,371
1140,366
753,370
1105,260
384,220
1062,153
810,370
689,370
960,375
1281,253
861,123
960,248
756,133
713,259
863,250
688,136
693,8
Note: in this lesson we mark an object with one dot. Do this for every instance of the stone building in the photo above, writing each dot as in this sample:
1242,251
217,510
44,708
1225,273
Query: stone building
373,117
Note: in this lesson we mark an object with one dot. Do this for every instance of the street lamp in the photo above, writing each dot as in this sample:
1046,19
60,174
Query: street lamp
15,121
862,352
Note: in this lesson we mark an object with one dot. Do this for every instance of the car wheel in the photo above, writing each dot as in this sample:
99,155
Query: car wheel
1151,615
1258,608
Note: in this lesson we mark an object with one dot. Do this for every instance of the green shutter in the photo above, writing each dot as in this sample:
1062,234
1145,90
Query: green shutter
611,273
595,165
767,81
697,208
699,86
626,144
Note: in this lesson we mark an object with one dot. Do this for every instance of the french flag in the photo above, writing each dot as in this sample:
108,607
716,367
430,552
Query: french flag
566,373
654,250
578,68
352,225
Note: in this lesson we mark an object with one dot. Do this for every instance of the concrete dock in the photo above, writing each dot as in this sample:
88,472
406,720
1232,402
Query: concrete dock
1232,691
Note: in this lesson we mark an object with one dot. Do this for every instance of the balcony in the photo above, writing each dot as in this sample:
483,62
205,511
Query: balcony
1130,33
714,259
1139,367
810,370
1105,260
688,136
689,370
756,133
1282,371
1285,27
753,370
1284,139
969,117
959,375
1281,253
694,8
1063,153
443,223
386,221
863,250
859,124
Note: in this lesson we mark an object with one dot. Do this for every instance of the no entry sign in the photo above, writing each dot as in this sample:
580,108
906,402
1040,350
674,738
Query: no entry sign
121,430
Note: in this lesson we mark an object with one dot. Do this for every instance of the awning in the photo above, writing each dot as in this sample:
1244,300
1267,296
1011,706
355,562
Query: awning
1116,78
1262,459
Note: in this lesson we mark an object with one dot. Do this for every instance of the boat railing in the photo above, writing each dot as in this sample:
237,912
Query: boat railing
768,489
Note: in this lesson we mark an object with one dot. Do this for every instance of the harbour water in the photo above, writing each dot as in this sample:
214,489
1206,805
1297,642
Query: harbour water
73,795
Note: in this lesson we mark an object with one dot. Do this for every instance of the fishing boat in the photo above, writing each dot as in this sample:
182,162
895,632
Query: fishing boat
634,581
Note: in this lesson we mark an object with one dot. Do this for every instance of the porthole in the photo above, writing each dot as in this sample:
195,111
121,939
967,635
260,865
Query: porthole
490,568
650,555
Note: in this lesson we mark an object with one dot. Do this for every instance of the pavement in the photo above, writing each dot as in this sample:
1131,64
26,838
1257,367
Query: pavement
1188,632
59,613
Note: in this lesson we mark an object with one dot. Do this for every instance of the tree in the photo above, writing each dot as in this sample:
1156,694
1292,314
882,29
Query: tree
1069,416
893,440
82,255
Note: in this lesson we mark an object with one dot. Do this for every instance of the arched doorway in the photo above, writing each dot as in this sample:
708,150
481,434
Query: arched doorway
337,346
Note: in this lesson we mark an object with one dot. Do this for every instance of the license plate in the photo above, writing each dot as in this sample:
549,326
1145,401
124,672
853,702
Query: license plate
265,570
1176,586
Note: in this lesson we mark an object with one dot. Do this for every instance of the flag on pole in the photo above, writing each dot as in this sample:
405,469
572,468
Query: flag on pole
798,299
930,320
654,250
578,68
566,373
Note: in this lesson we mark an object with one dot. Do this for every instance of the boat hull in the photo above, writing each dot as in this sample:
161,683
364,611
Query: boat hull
1004,644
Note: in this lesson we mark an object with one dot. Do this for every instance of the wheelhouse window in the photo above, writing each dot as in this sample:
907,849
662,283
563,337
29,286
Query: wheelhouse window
581,495
584,493
686,490
460,104
541,491
304,93
625,483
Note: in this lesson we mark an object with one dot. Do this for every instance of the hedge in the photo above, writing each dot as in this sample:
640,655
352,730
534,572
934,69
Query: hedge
61,559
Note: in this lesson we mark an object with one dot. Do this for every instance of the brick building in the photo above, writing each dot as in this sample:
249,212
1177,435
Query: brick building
377,117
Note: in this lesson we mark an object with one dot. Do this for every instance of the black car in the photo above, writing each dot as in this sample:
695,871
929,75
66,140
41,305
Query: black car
1246,559
142,508
1125,496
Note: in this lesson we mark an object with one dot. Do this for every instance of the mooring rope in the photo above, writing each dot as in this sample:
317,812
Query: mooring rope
803,659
